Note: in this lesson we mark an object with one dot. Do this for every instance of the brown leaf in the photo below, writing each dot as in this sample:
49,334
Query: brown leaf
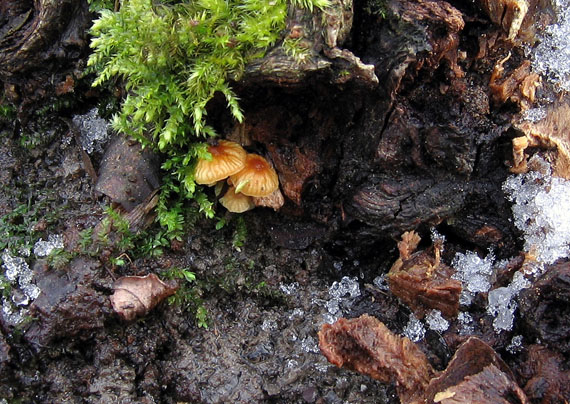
366,345
135,296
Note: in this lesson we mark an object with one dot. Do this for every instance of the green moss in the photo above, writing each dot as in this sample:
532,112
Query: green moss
174,57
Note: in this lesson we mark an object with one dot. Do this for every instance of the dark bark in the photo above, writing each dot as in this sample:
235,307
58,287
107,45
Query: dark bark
41,42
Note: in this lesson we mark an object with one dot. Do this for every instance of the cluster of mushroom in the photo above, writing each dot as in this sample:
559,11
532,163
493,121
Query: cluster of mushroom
249,175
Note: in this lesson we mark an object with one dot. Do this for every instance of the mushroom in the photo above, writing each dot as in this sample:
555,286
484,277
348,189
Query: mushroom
237,203
258,178
227,158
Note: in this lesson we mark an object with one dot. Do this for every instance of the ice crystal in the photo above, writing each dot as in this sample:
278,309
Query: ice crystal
341,294
414,330
551,57
465,323
380,282
346,286
269,325
18,273
516,344
289,289
93,130
540,204
44,248
502,304
436,322
475,273
534,114
309,344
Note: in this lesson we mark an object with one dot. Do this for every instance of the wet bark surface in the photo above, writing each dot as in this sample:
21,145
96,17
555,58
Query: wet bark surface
392,126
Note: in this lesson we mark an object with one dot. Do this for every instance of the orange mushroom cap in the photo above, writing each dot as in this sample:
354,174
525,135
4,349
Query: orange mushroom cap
227,158
257,178
237,203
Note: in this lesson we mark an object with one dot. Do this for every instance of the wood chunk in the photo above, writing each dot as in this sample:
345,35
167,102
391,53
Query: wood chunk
366,345
508,14
551,133
475,374
274,200
442,23
547,381
128,173
423,282
519,86
545,307
295,167
394,205
488,386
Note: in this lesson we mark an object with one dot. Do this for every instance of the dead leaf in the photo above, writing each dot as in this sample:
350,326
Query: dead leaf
135,296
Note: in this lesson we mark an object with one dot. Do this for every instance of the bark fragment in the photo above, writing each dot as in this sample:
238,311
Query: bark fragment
475,374
135,296
320,33
547,381
128,173
395,205
366,345
545,307
490,385
551,134
519,86
508,14
422,281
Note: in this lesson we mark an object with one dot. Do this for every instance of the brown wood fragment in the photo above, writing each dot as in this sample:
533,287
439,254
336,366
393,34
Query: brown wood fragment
519,156
366,345
128,173
519,86
551,133
422,281
547,380
475,374
508,14
545,307
275,200
443,23
489,386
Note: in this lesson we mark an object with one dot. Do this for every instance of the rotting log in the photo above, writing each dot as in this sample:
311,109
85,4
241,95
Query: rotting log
41,42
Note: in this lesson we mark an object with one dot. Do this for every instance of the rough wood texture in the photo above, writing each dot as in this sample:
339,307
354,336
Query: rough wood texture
366,345
424,283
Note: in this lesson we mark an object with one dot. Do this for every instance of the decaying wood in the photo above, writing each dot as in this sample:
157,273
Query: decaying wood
476,374
422,281
365,345
508,14
128,173
547,380
545,307
320,34
41,41
550,133
519,86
